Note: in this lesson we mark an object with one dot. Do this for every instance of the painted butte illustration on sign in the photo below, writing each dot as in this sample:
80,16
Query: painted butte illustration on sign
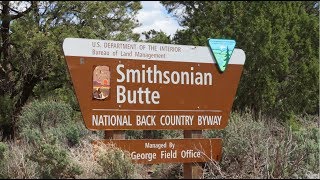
151,86
127,85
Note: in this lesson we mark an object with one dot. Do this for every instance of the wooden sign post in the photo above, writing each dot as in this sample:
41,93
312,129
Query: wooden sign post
193,170
145,86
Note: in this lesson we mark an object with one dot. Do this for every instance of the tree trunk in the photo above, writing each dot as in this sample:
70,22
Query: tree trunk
7,81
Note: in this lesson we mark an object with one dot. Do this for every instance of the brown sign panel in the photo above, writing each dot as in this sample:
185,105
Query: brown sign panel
126,85
154,151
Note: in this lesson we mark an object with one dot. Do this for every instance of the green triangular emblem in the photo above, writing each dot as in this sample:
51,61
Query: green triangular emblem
222,50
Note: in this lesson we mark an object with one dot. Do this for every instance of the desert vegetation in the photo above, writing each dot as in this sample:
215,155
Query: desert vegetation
54,147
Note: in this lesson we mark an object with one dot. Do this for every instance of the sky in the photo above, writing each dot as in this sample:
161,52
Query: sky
154,16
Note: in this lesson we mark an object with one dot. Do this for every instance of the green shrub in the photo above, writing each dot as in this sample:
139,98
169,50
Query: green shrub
292,122
134,134
32,135
73,136
70,133
153,134
64,94
40,118
265,149
172,134
3,160
45,114
53,161
74,132
307,148
3,151
6,113
6,106
115,163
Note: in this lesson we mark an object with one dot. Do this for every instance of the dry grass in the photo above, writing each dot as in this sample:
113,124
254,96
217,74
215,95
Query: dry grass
265,149
18,165
251,149
84,157
167,171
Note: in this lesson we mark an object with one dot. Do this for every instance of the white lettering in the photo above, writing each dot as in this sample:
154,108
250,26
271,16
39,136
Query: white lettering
111,120
155,146
148,120
148,156
121,98
120,72
174,120
139,96
190,154
209,120
153,75
168,155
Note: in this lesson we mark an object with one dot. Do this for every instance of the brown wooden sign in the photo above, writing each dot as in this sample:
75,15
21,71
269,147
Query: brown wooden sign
170,150
127,85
